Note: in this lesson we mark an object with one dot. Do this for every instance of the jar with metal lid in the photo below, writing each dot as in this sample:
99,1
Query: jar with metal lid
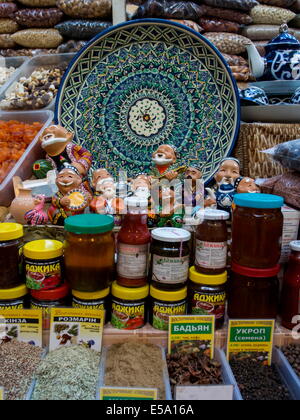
47,299
128,310
15,298
95,300
43,263
89,252
253,293
164,304
207,295
170,258
257,230
11,242
212,243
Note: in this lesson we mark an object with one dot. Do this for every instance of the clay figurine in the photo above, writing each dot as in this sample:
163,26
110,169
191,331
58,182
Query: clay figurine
193,192
37,216
72,197
228,173
164,159
246,185
166,212
140,187
105,200
98,176
23,203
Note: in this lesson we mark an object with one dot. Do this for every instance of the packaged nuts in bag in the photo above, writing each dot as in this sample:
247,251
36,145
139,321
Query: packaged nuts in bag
228,43
86,9
38,38
38,18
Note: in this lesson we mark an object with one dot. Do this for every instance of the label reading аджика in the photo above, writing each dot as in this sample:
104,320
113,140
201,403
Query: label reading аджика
170,270
23,325
251,336
139,394
76,326
190,334
132,261
211,254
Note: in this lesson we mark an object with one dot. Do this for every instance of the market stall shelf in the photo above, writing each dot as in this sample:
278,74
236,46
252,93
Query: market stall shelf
144,83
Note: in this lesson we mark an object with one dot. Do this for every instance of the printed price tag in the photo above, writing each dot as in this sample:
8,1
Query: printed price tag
192,333
22,325
204,393
113,393
1,394
251,336
76,326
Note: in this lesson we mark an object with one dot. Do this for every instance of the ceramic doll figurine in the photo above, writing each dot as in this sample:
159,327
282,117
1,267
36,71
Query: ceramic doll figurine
164,159
105,200
193,191
72,197
225,178
165,212
140,187
98,176
246,185
37,216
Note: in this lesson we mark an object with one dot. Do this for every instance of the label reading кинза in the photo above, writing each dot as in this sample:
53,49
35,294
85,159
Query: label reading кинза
192,333
76,326
23,325
212,255
132,261
251,336
113,393
170,270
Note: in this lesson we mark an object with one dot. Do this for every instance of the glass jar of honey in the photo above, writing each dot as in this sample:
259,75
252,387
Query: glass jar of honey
89,252
257,230
11,241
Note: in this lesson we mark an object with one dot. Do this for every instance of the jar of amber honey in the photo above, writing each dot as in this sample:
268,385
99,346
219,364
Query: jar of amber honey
89,252
257,230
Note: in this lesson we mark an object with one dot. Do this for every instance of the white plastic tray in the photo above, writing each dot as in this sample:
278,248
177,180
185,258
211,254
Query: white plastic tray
23,167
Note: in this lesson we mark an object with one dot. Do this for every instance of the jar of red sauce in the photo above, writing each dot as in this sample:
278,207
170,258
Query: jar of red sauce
257,230
212,243
253,293
133,245
290,298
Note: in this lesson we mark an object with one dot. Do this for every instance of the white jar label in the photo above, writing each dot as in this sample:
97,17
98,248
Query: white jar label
132,261
211,255
170,270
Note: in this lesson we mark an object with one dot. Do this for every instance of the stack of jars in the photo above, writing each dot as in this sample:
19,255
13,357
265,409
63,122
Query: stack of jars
256,248
208,278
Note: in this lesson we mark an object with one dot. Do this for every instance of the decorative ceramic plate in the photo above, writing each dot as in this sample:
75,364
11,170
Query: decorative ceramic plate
146,83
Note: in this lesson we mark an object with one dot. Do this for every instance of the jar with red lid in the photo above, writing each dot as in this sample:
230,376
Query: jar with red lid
257,230
47,299
212,243
253,293
290,298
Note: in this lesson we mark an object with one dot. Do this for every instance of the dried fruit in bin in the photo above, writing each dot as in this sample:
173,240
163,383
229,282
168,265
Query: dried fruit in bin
15,137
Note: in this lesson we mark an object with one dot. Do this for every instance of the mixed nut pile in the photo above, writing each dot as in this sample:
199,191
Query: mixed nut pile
34,92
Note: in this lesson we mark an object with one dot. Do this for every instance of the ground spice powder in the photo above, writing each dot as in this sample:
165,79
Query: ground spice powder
136,365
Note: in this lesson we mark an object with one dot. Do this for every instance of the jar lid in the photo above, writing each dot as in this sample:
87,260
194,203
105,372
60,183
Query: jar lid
168,296
91,295
212,214
136,202
15,293
295,246
44,249
89,224
171,235
127,293
259,201
255,272
11,231
51,295
210,280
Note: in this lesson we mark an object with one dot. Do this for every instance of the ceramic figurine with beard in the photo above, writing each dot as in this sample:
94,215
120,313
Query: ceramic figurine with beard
140,187
72,197
193,187
167,212
246,185
164,159
105,200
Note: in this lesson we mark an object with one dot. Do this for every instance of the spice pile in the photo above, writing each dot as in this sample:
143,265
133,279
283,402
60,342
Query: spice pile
15,137
193,369
137,365
18,363
68,373
258,381
34,92
292,353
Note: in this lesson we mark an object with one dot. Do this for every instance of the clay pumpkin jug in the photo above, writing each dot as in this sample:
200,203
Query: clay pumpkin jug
23,203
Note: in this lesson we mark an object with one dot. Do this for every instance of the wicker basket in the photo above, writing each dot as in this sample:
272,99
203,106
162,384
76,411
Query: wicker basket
257,137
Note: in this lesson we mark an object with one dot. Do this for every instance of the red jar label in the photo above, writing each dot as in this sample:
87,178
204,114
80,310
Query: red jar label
209,304
129,316
43,275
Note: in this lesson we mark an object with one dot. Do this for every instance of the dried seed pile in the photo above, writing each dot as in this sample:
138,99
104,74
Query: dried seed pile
193,369
258,382
292,353
137,365
34,92
68,373
18,363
